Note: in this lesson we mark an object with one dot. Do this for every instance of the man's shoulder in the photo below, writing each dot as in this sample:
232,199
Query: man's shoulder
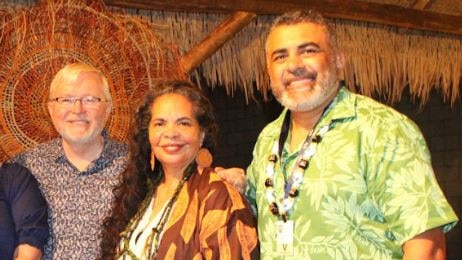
117,148
43,150
365,106
372,114
117,143
368,106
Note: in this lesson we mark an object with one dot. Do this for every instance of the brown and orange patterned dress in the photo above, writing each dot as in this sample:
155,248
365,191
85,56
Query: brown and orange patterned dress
209,220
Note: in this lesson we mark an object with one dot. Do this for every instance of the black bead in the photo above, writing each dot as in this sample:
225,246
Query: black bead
273,158
303,164
274,209
293,193
284,217
316,139
268,182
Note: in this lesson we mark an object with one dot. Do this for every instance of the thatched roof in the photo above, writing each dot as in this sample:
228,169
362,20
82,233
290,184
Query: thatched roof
389,44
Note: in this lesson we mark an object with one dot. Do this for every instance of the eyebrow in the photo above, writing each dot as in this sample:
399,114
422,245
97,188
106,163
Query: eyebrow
301,46
278,51
185,118
177,120
308,44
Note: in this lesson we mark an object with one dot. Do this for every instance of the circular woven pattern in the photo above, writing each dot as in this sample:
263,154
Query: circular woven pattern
39,41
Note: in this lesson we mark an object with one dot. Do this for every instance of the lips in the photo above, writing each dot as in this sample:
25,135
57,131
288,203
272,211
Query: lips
299,84
78,121
171,148
303,78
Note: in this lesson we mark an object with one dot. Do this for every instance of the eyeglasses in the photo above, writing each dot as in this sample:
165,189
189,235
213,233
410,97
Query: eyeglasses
87,101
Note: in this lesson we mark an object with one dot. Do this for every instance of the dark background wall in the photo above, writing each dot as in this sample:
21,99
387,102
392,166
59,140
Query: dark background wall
441,124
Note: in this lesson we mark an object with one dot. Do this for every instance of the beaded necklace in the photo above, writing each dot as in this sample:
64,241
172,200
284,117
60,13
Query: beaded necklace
152,246
301,164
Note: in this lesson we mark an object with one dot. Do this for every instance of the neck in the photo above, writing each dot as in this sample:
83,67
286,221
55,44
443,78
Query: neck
172,175
302,122
81,155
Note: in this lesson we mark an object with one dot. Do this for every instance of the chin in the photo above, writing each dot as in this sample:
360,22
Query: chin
300,103
80,139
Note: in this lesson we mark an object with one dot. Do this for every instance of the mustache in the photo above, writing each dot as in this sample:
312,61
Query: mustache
300,74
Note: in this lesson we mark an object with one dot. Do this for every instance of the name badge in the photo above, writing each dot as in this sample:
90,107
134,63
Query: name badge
285,237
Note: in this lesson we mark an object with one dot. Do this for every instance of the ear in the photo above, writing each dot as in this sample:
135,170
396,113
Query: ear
50,108
108,108
202,138
267,64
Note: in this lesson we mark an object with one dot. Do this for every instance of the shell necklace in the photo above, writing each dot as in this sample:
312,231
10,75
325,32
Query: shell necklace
307,151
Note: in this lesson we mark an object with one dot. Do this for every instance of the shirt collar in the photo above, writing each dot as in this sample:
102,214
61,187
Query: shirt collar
103,160
342,107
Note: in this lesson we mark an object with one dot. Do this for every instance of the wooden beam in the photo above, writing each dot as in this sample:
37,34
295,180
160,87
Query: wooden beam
421,4
344,9
222,33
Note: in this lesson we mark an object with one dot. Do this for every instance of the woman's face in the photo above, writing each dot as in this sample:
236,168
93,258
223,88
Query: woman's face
174,132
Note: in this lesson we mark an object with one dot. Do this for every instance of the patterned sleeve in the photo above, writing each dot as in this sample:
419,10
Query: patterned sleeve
402,182
29,208
228,229
19,158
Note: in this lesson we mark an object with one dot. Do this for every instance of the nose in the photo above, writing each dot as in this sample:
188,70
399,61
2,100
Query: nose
295,64
77,107
171,131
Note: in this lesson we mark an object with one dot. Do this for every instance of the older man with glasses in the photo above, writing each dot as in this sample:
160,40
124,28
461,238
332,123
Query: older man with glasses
78,170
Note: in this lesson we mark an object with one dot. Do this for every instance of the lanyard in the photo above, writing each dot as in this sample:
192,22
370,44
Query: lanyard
293,183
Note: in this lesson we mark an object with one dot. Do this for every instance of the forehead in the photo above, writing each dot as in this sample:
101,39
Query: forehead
172,103
86,83
294,35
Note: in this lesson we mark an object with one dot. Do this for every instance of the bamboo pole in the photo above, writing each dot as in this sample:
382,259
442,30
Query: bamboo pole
225,31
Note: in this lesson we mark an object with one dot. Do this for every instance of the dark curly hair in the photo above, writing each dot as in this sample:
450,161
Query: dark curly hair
138,178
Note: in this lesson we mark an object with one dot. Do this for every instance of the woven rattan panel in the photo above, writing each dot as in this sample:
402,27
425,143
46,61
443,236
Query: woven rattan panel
37,41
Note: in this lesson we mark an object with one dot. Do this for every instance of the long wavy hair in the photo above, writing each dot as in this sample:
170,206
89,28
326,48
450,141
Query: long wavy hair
138,178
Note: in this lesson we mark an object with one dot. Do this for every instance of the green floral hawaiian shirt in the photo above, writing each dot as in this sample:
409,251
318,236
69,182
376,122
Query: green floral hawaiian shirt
368,188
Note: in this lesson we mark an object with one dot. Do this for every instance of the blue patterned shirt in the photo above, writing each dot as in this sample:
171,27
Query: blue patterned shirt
78,201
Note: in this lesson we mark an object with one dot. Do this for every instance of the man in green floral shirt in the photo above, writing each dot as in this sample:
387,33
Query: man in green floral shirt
338,175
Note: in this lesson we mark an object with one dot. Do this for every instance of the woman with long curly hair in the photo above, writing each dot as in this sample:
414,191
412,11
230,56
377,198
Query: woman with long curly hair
170,204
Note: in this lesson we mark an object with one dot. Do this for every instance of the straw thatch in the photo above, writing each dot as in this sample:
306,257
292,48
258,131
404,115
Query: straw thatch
384,61
381,60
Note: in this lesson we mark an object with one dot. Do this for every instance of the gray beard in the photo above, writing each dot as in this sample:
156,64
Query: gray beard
328,87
